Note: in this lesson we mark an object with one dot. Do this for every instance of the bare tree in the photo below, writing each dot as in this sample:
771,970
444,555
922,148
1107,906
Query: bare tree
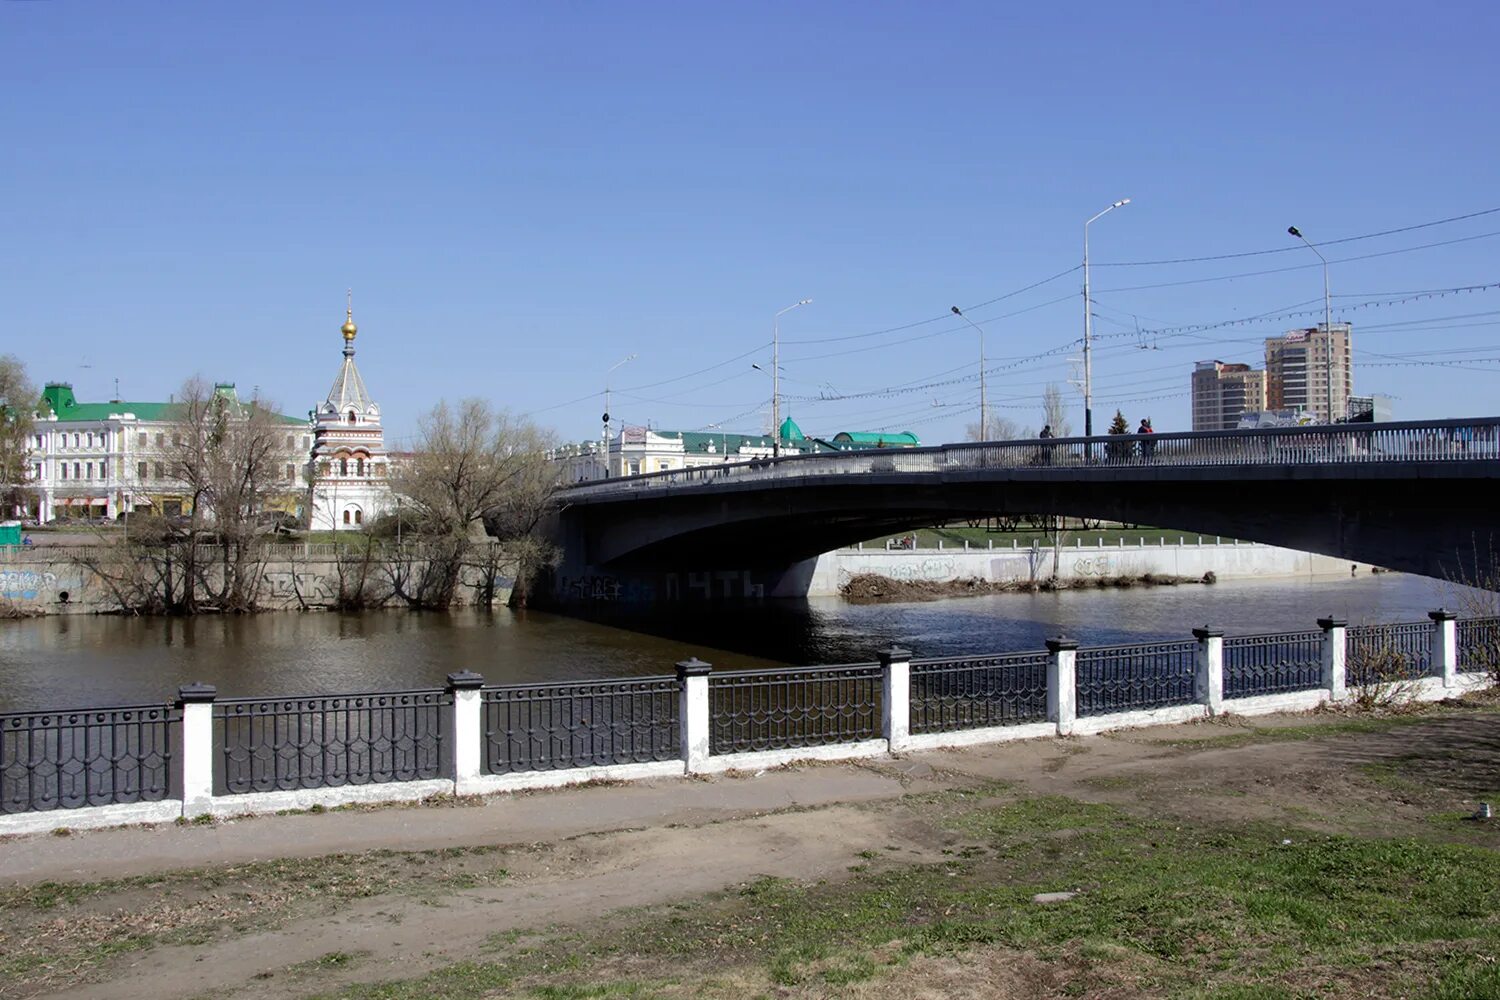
1055,412
997,428
232,462
475,467
18,399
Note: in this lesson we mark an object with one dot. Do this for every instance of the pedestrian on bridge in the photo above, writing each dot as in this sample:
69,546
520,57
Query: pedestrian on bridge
1148,447
1046,452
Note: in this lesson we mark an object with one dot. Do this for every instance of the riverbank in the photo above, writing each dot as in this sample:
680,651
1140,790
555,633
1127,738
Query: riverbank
1333,847
871,588
1014,567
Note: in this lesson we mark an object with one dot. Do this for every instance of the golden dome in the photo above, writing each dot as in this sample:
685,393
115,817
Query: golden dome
349,328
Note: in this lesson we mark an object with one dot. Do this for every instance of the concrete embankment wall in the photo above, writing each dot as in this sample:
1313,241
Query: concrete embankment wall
52,582
1190,558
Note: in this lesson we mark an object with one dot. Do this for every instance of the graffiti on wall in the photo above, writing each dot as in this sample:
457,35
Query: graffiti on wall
290,584
26,584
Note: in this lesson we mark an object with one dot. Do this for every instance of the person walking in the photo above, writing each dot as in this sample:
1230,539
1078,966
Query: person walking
1046,452
1148,447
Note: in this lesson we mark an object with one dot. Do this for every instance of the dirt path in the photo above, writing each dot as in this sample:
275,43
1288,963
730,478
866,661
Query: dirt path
582,857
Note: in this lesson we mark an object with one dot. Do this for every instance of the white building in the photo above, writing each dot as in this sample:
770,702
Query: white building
350,470
107,460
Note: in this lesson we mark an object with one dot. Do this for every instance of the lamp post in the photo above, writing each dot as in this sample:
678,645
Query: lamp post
605,441
1327,314
775,376
984,412
1088,326
723,439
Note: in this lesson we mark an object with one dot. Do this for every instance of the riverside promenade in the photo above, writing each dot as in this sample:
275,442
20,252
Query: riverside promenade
793,879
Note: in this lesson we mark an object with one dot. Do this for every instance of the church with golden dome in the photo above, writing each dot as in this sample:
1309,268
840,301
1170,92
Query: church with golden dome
349,468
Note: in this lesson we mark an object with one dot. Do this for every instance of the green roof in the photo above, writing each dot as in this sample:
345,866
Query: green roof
58,398
877,439
790,431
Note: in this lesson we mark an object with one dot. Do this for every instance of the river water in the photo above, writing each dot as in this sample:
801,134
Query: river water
83,661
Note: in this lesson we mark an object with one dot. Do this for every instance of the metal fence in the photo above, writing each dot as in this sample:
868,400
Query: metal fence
94,757
282,744
978,691
779,709
1382,654
1273,663
1478,645
1409,441
1143,675
541,727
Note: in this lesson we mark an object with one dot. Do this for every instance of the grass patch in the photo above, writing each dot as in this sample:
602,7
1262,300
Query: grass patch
1191,910
53,932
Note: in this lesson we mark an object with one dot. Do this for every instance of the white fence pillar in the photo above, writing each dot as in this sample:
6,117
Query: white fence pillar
197,704
692,712
1062,684
895,690
1335,653
468,729
1445,646
1208,673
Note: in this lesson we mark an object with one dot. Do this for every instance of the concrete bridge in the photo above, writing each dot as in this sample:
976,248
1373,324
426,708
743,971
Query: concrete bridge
1419,497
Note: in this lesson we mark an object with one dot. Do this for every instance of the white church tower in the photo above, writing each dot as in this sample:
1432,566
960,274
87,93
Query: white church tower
349,468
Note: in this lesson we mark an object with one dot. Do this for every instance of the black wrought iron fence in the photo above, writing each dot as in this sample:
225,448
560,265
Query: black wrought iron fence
542,727
1140,676
1479,645
1273,663
92,757
974,692
1383,654
779,709
281,744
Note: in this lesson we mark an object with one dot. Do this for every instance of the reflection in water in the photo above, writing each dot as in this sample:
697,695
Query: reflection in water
80,661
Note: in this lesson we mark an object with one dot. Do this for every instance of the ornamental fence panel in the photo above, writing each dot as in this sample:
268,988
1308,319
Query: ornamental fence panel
89,757
1384,654
1479,645
543,727
781,709
974,692
1273,663
283,744
1132,677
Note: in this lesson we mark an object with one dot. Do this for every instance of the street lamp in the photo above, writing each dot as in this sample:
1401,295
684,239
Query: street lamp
775,376
605,441
1088,326
984,413
723,439
1327,314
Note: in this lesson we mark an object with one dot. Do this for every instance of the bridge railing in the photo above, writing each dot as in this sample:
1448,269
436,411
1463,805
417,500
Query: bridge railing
1407,441
202,756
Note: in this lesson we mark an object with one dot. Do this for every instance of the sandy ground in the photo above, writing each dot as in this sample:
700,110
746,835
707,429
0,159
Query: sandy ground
586,855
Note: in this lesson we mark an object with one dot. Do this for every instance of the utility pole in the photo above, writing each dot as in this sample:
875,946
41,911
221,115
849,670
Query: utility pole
776,377
604,457
1327,316
1088,326
984,410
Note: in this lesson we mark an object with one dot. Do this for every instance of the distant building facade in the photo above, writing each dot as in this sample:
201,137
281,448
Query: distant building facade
1298,369
639,450
1223,393
349,470
109,460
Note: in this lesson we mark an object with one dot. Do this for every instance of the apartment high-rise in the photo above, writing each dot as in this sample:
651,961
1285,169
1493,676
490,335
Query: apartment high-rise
1222,392
1298,366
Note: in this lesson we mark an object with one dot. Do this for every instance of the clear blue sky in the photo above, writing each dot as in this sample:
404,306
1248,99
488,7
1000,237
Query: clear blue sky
523,194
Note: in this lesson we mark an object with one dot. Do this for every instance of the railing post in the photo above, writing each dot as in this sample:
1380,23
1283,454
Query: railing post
1062,683
1445,646
196,701
895,690
1335,653
468,728
692,713
1208,672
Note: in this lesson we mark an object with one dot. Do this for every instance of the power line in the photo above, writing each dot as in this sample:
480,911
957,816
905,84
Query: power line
1295,249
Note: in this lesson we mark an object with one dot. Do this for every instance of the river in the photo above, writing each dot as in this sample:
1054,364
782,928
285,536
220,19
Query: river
84,661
